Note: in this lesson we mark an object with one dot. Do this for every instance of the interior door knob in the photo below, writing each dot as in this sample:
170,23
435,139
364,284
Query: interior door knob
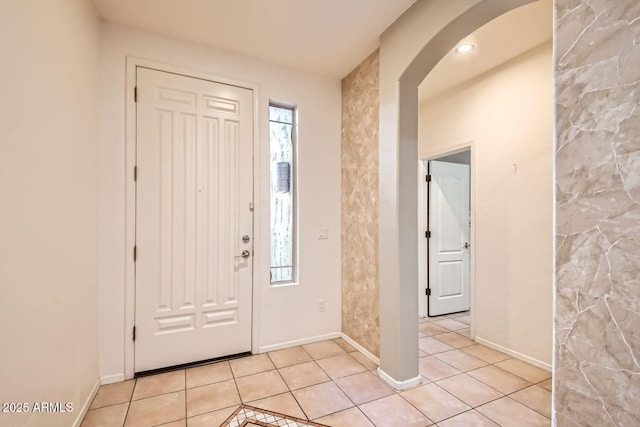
467,245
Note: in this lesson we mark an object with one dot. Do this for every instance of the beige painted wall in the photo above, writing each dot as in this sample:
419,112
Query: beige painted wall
597,70
49,207
280,308
360,309
506,115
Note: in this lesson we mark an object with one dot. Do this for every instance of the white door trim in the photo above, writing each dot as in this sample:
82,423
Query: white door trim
422,224
130,197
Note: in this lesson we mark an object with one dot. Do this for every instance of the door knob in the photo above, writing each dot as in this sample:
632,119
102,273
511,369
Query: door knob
467,245
244,254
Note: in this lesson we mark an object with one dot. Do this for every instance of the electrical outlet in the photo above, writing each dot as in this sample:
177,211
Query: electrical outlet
323,234
321,305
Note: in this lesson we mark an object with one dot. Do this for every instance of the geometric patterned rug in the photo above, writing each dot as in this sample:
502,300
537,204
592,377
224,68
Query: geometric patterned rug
249,416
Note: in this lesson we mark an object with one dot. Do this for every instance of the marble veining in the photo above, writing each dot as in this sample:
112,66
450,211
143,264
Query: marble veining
597,319
360,292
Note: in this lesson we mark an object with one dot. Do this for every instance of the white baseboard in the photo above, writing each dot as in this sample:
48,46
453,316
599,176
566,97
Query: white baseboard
517,355
110,379
399,385
86,405
287,344
361,349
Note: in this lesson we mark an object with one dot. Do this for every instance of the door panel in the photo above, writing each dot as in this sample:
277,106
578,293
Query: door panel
193,192
448,245
451,279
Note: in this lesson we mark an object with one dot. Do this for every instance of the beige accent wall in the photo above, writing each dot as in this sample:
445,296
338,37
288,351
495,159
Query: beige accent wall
48,208
360,105
506,116
597,319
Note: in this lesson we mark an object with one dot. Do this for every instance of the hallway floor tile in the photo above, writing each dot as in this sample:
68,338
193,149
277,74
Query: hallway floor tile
330,382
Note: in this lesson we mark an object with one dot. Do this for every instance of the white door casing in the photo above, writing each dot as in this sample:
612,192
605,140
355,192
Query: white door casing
194,193
448,212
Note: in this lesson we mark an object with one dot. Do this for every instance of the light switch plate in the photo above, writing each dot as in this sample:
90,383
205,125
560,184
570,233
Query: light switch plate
323,234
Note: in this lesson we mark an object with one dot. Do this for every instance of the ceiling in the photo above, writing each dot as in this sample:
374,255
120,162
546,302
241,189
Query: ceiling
329,37
497,42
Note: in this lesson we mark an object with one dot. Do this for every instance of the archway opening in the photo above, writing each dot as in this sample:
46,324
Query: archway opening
405,62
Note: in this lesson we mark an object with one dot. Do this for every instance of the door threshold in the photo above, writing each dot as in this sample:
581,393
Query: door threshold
190,365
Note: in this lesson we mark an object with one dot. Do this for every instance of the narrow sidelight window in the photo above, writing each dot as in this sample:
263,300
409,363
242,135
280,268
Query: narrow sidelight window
282,141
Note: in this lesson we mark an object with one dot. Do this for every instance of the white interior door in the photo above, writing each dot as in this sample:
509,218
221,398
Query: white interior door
193,195
449,241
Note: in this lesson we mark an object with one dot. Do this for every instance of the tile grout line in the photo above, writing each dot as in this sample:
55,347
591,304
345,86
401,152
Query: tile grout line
396,392
524,404
507,396
481,367
503,395
358,363
135,384
482,382
287,385
334,382
331,379
471,407
399,393
463,412
413,406
343,392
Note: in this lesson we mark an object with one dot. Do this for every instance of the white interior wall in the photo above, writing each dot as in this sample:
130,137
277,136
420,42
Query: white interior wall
507,114
286,314
49,207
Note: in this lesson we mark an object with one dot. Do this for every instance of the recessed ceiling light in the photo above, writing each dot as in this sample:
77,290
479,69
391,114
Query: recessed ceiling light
465,48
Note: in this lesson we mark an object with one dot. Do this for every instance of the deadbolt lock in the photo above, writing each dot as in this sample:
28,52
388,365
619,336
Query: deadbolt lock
246,238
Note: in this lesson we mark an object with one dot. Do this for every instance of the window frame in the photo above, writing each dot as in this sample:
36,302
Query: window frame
293,190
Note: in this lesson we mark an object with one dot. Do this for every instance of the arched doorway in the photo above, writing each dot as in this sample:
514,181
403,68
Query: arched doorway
409,50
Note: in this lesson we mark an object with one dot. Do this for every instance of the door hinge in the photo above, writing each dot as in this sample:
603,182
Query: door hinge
251,206
135,173
427,291
134,333
427,234
427,178
135,94
135,253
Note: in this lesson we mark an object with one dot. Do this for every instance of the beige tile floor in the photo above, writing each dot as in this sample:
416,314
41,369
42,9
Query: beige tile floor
464,384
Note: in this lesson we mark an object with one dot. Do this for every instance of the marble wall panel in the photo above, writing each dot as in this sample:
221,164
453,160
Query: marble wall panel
360,296
597,319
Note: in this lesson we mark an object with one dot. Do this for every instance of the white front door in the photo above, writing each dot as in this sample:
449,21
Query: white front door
193,207
449,241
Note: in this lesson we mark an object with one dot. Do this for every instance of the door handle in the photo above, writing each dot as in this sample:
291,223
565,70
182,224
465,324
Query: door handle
244,254
467,245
